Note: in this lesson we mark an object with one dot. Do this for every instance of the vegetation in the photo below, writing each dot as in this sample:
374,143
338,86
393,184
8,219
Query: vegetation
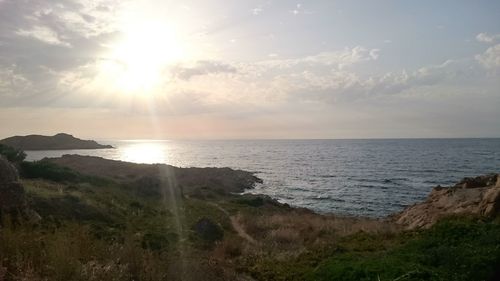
12,154
453,249
49,171
97,229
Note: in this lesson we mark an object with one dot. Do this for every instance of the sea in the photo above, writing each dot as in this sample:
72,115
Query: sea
372,178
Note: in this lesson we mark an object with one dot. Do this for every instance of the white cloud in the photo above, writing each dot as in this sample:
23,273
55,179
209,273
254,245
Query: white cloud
44,34
198,68
257,11
338,59
490,58
374,53
12,83
487,38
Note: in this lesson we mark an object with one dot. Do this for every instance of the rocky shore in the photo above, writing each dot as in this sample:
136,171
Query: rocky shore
479,196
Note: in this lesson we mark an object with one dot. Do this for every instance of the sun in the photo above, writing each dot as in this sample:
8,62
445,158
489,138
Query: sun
136,63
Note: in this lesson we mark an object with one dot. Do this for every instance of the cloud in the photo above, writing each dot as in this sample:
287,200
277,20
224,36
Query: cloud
487,38
257,11
339,59
42,42
490,58
12,83
43,34
199,68
374,53
317,79
50,57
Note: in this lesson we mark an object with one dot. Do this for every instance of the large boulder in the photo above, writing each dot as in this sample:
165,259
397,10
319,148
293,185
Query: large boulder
12,196
8,173
471,196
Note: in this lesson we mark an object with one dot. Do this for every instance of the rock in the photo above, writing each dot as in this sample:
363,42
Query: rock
208,230
12,197
490,205
471,196
8,172
481,181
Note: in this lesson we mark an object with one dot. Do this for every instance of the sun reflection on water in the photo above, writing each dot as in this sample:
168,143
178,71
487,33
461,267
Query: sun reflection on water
143,152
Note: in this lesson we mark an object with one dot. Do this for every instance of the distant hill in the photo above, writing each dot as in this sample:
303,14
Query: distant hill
57,142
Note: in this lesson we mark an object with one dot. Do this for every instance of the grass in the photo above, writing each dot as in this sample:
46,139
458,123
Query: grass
454,249
126,236
94,229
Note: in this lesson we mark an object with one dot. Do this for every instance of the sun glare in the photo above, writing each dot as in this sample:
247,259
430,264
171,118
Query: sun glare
143,152
137,62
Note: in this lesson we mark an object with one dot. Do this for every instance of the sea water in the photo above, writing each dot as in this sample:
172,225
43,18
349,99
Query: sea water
350,177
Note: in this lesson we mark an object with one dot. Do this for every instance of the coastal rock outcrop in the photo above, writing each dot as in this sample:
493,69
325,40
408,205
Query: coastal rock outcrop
56,142
153,179
471,196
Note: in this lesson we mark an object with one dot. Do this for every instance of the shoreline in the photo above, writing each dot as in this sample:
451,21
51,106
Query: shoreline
169,217
240,182
368,188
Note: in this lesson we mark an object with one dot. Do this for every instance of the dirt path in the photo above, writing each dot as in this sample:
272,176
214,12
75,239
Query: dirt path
237,225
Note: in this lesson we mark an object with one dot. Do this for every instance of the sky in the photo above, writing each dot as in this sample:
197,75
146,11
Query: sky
213,69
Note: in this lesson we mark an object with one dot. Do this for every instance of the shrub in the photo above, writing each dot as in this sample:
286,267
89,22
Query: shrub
254,201
12,154
208,230
46,170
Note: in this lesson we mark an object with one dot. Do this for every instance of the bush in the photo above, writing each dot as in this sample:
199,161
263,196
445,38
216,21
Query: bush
253,201
12,154
46,170
208,230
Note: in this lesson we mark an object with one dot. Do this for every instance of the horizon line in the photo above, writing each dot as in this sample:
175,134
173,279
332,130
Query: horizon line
293,139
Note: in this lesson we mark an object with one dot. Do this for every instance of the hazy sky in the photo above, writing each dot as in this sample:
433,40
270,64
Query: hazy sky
250,69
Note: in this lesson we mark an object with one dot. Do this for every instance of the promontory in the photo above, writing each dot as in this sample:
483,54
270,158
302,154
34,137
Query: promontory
59,141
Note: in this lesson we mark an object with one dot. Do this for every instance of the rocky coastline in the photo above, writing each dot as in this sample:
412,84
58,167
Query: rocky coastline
479,196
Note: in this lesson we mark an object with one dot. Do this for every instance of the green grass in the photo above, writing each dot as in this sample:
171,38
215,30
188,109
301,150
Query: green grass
454,249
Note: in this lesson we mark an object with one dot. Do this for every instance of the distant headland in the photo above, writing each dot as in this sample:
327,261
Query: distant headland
59,141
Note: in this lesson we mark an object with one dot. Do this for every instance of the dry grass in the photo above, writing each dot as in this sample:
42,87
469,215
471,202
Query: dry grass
72,253
228,248
294,231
